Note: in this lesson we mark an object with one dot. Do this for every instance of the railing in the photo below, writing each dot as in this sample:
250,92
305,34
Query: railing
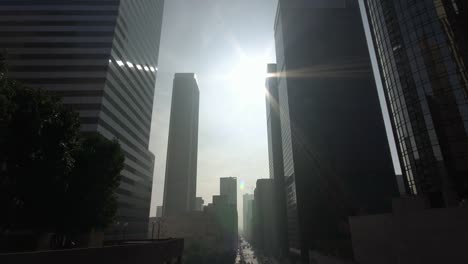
122,252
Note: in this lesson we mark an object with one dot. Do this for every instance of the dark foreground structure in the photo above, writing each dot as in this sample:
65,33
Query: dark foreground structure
336,156
101,57
141,252
412,233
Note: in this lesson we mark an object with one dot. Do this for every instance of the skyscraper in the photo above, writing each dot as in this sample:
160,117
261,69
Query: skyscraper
335,151
266,240
199,204
247,200
181,164
422,55
101,56
228,187
275,154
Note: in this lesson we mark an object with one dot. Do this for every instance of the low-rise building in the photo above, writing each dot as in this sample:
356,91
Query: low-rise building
412,233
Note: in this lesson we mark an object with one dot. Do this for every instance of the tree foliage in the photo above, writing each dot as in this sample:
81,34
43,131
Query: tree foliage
52,178
40,136
99,162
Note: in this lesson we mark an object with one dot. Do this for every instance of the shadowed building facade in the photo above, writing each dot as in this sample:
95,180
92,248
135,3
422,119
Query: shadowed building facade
228,188
336,156
101,57
265,239
275,154
247,201
421,48
181,164
199,204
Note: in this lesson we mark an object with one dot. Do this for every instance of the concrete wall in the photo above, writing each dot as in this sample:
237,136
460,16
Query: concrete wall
160,252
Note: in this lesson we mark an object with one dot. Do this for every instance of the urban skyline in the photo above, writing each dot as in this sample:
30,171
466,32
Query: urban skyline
326,131
233,102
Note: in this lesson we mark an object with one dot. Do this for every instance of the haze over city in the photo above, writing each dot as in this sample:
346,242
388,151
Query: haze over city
233,131
229,57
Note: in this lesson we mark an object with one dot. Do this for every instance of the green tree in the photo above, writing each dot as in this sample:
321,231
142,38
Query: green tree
38,138
91,196
52,177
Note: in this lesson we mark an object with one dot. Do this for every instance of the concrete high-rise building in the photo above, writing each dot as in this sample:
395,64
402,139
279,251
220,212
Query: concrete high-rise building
101,57
247,200
181,165
422,52
275,154
199,204
336,155
228,187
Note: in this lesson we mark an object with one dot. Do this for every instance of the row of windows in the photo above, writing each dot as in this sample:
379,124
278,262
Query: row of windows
410,83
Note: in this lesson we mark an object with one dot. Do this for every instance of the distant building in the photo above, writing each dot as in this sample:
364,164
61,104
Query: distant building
212,231
181,165
95,55
220,200
336,154
247,215
422,51
159,211
199,204
265,238
206,233
228,187
226,213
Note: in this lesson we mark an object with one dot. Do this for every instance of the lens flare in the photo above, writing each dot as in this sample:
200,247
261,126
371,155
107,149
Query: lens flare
242,185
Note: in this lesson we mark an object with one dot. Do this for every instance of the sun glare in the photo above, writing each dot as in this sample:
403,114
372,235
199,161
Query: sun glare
248,76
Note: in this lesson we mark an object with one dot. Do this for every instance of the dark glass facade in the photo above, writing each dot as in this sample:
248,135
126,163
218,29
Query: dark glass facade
422,53
336,156
101,57
180,185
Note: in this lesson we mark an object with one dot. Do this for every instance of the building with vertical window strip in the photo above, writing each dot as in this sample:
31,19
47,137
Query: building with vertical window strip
421,48
336,155
101,57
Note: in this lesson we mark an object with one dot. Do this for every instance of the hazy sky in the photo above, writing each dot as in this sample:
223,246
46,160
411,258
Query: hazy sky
227,44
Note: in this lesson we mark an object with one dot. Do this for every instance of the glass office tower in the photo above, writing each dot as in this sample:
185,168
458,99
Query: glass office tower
101,57
421,48
336,155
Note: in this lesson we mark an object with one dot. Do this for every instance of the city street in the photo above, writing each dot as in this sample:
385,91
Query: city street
245,254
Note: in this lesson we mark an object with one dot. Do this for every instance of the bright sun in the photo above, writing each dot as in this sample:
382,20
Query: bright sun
248,76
